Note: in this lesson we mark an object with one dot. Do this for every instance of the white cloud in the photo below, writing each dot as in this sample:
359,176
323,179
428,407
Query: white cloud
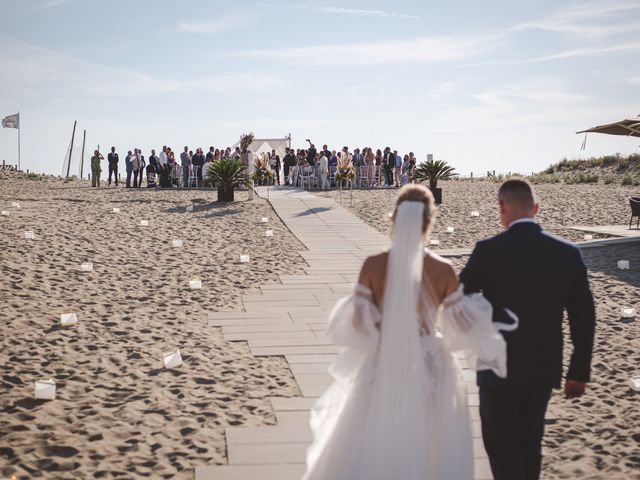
216,25
31,71
418,50
52,3
361,12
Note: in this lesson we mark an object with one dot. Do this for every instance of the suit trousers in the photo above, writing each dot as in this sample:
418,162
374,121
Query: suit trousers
388,173
137,178
512,430
129,172
113,168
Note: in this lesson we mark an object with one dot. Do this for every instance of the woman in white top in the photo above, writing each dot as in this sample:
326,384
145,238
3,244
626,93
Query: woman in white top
397,408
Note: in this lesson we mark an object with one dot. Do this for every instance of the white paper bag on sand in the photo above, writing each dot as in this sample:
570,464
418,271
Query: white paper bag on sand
15,204
45,389
627,312
623,264
244,258
176,243
5,213
172,359
116,210
434,242
264,220
634,384
29,235
144,223
268,233
195,284
475,214
588,237
450,230
68,319
86,267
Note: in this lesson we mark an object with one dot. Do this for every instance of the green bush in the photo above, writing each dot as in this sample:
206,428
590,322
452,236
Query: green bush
627,180
33,176
581,177
609,179
544,178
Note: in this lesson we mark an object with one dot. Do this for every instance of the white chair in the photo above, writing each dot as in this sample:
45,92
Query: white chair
193,176
332,175
363,176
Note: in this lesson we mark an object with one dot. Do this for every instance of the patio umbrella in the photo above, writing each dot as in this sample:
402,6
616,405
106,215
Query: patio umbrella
627,127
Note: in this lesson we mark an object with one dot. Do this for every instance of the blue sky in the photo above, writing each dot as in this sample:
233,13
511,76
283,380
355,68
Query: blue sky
499,85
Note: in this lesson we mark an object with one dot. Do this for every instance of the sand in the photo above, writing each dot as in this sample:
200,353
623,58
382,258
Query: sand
560,206
119,413
597,436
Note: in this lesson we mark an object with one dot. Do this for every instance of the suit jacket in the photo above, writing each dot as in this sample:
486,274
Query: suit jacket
113,158
537,276
389,161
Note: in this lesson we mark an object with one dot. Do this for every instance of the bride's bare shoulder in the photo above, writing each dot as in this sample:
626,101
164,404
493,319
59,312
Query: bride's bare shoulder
374,265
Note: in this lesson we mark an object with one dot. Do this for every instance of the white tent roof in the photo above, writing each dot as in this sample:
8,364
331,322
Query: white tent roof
264,145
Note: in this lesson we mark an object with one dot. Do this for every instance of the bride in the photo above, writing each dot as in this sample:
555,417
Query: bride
397,407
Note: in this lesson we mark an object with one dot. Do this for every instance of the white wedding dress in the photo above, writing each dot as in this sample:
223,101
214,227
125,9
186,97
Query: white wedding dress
397,408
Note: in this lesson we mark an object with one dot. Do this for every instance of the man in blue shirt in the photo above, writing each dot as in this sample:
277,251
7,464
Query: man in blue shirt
397,169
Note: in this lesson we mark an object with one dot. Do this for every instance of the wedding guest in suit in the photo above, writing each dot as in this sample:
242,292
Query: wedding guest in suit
311,154
198,161
536,276
162,158
274,163
289,162
113,160
357,158
325,149
185,162
129,168
211,155
388,164
138,168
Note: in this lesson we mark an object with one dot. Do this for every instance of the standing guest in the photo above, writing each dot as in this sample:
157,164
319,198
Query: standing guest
162,159
129,168
198,161
311,154
185,162
275,165
210,155
113,160
95,168
358,158
217,155
171,161
397,169
237,154
142,167
289,162
326,151
388,164
369,161
136,162
537,277
406,167
153,159
324,171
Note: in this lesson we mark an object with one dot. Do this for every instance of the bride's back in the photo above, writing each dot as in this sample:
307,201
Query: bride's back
438,281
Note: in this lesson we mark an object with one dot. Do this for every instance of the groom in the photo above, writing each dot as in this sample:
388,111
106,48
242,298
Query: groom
536,276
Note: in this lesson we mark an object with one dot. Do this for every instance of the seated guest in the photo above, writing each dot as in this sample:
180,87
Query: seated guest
151,173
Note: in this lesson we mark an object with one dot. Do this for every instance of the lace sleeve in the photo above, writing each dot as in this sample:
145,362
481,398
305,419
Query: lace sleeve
353,320
466,325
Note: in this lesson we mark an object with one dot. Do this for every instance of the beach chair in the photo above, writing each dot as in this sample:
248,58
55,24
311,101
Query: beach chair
332,176
308,177
634,202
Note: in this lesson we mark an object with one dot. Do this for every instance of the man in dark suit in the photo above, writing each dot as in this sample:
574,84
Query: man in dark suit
537,276
113,160
388,164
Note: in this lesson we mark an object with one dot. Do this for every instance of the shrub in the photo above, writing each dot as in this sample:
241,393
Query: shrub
608,179
544,178
581,177
433,170
627,180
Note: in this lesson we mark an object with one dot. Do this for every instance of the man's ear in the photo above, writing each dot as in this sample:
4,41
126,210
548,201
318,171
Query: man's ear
536,208
502,206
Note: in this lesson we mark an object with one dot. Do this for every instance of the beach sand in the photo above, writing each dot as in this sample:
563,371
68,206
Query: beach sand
560,206
119,413
597,436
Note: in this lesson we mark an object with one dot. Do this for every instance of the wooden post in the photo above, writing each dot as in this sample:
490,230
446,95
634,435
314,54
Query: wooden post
73,135
84,138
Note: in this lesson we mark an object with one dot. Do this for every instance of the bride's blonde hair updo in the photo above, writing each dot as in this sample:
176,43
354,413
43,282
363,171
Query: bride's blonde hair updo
414,192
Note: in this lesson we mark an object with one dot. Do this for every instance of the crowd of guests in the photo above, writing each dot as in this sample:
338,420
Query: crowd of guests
165,170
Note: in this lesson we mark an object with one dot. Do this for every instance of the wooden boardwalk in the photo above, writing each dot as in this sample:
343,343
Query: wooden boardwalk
289,319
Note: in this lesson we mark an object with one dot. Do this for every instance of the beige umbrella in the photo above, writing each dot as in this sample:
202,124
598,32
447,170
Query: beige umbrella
628,127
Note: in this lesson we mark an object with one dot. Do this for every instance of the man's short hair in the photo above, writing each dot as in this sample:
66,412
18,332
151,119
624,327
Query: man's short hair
517,192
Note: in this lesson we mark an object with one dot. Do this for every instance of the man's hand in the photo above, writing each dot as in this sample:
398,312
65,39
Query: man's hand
574,389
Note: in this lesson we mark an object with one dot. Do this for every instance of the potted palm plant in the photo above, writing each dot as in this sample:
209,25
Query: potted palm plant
227,174
434,170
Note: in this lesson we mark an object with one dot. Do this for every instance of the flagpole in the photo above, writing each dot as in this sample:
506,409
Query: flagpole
19,126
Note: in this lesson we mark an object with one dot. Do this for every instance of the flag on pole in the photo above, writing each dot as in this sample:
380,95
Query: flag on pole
12,121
